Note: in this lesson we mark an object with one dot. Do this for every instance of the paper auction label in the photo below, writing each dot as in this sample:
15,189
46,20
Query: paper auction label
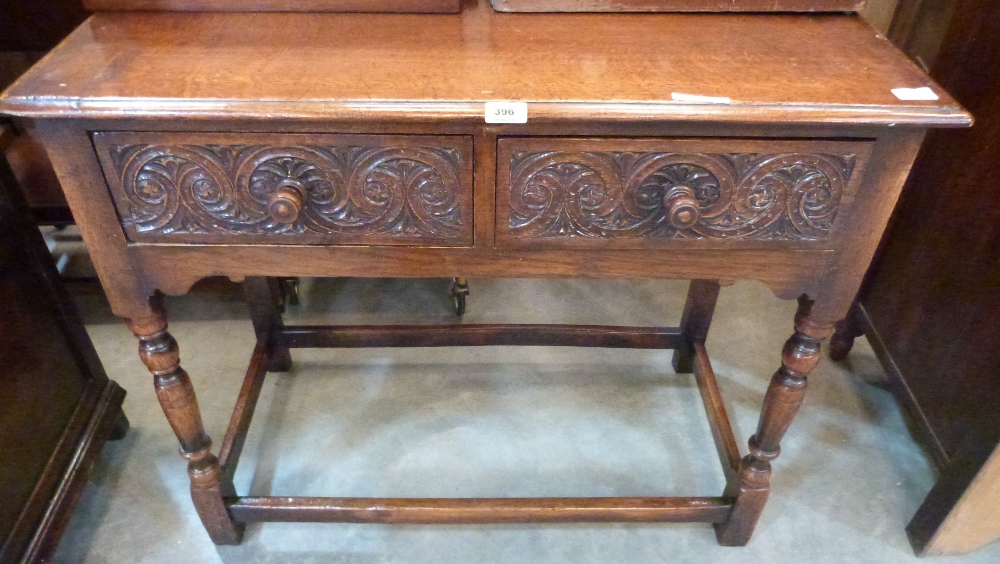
922,94
506,112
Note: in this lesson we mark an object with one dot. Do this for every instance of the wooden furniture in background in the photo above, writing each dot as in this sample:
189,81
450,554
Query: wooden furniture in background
879,13
33,173
356,145
27,31
919,27
38,25
398,6
57,406
931,300
678,5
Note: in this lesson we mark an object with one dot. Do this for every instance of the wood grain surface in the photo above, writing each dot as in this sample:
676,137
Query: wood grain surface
443,67
399,6
57,405
678,5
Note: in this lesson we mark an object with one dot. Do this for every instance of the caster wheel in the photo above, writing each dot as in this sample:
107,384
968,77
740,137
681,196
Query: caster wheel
290,291
459,291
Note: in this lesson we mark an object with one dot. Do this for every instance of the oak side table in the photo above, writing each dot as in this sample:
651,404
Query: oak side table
705,147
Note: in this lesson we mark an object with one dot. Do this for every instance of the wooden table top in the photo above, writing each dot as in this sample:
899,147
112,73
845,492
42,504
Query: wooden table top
616,67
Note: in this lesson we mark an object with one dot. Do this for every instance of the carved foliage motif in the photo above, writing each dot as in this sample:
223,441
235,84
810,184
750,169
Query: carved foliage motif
215,189
620,194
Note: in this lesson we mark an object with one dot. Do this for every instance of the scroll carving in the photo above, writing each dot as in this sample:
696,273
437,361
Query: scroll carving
784,197
402,192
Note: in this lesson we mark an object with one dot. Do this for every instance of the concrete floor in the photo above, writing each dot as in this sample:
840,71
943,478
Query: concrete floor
502,422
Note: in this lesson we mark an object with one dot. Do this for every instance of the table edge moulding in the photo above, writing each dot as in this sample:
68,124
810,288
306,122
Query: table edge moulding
707,147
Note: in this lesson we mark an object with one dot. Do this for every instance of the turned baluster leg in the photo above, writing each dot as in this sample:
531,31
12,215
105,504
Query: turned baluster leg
695,321
263,295
784,396
159,352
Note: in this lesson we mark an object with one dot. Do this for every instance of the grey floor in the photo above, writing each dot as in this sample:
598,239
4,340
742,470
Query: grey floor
502,422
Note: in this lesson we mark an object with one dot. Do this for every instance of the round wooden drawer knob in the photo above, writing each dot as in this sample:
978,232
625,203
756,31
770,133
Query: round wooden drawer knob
681,207
285,203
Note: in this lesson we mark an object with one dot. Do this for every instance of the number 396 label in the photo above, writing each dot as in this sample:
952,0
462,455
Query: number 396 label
506,112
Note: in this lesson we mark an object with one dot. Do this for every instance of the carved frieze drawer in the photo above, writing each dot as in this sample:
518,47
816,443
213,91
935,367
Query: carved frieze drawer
290,188
650,193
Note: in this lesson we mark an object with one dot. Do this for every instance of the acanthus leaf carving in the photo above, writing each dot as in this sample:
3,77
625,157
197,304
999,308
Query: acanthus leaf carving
586,194
354,191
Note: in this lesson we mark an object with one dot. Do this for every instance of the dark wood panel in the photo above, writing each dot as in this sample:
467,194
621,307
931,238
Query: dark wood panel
57,406
930,301
400,6
39,24
32,168
678,5
919,28
939,272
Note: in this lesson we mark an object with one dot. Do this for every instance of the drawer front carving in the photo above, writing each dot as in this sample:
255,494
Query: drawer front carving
649,192
298,189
